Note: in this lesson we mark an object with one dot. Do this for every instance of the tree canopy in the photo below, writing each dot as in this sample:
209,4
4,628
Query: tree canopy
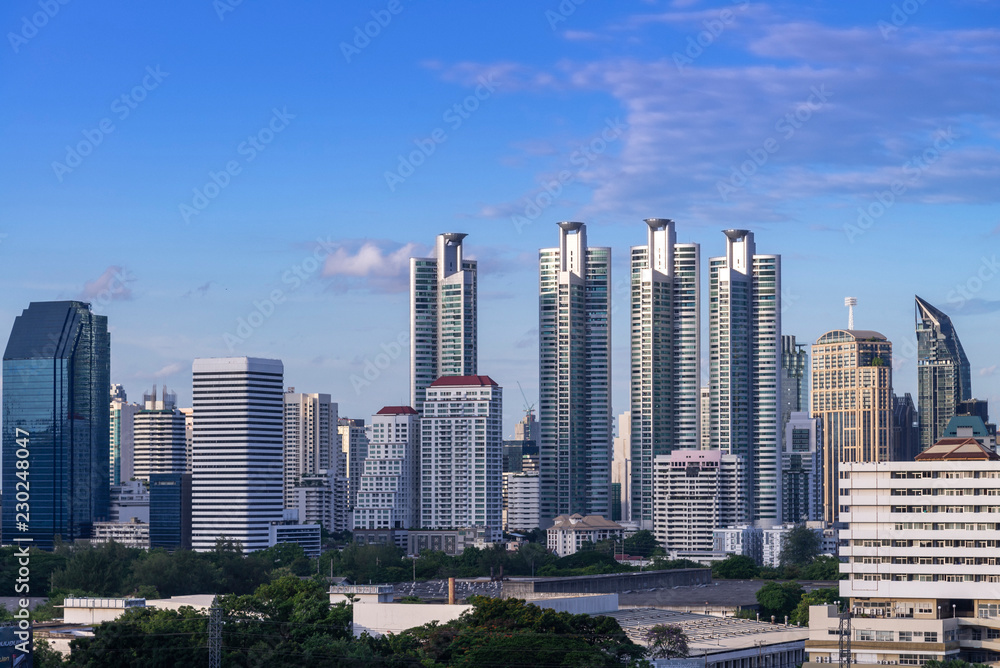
800,547
779,600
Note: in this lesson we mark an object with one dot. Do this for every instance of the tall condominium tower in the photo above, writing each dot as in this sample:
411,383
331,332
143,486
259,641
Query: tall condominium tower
744,376
354,446
237,468
160,438
389,495
794,378
574,371
666,351
852,394
56,393
461,445
442,316
621,470
122,452
312,444
944,376
802,469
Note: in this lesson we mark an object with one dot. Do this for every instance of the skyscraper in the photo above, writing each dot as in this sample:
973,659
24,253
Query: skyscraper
237,469
574,370
802,469
944,376
160,438
744,376
621,470
122,451
443,301
794,378
389,495
56,394
354,446
852,394
666,351
461,445
312,444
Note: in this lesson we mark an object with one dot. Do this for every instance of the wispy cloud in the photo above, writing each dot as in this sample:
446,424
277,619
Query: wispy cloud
112,285
988,372
383,265
169,370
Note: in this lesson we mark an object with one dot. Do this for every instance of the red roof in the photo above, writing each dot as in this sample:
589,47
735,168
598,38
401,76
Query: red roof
397,410
480,381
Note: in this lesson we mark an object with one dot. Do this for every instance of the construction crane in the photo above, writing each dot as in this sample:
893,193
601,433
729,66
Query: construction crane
528,409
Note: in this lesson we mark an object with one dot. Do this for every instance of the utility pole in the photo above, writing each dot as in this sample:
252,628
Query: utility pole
215,635
845,638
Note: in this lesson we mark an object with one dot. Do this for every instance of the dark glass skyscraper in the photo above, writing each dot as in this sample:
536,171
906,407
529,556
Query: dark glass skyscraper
56,393
944,376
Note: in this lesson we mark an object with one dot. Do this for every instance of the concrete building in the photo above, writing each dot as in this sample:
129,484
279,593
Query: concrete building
944,376
802,469
311,441
443,303
574,371
314,498
744,373
621,468
706,419
921,544
523,498
852,395
568,533
237,479
696,492
389,495
129,501
308,536
133,533
122,442
794,378
764,544
353,442
666,356
461,444
744,540
188,414
159,433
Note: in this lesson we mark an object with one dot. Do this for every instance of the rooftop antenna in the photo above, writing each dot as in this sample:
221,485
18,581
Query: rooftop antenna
850,303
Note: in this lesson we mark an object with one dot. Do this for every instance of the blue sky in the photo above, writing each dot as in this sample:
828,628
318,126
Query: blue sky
181,165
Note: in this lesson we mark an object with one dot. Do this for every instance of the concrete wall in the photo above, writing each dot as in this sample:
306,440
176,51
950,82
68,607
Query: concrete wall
607,584
580,605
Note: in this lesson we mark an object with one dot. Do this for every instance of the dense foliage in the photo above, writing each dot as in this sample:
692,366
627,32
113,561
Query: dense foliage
668,642
829,596
737,567
800,547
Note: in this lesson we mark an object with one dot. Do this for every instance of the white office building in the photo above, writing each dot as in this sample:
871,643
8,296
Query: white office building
443,298
569,533
696,492
523,498
744,374
666,351
122,454
237,477
160,439
389,495
574,370
461,444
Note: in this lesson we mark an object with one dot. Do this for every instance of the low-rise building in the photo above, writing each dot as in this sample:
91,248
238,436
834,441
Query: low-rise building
568,533
130,534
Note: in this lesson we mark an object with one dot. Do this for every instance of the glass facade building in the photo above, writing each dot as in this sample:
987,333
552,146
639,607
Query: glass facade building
56,393
944,375
170,511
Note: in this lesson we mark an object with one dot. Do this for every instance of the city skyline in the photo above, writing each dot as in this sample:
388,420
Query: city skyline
309,235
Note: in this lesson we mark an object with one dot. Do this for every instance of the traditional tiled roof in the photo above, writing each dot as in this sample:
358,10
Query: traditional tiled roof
957,450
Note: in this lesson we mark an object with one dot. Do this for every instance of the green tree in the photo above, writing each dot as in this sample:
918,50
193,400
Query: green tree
828,596
642,544
779,600
800,547
44,656
667,642
145,637
735,567
103,569
823,568
179,574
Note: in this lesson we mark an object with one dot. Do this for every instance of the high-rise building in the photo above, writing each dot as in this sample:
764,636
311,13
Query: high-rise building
188,414
621,469
122,451
238,469
944,376
160,438
354,446
170,511
522,501
56,394
802,469
461,444
705,442
389,495
312,444
666,353
744,375
852,395
696,492
574,369
521,452
443,298
906,429
794,378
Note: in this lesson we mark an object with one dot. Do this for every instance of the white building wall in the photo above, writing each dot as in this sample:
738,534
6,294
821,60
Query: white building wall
389,491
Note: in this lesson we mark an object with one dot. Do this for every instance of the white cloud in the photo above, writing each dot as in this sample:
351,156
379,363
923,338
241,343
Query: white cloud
386,269
112,285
